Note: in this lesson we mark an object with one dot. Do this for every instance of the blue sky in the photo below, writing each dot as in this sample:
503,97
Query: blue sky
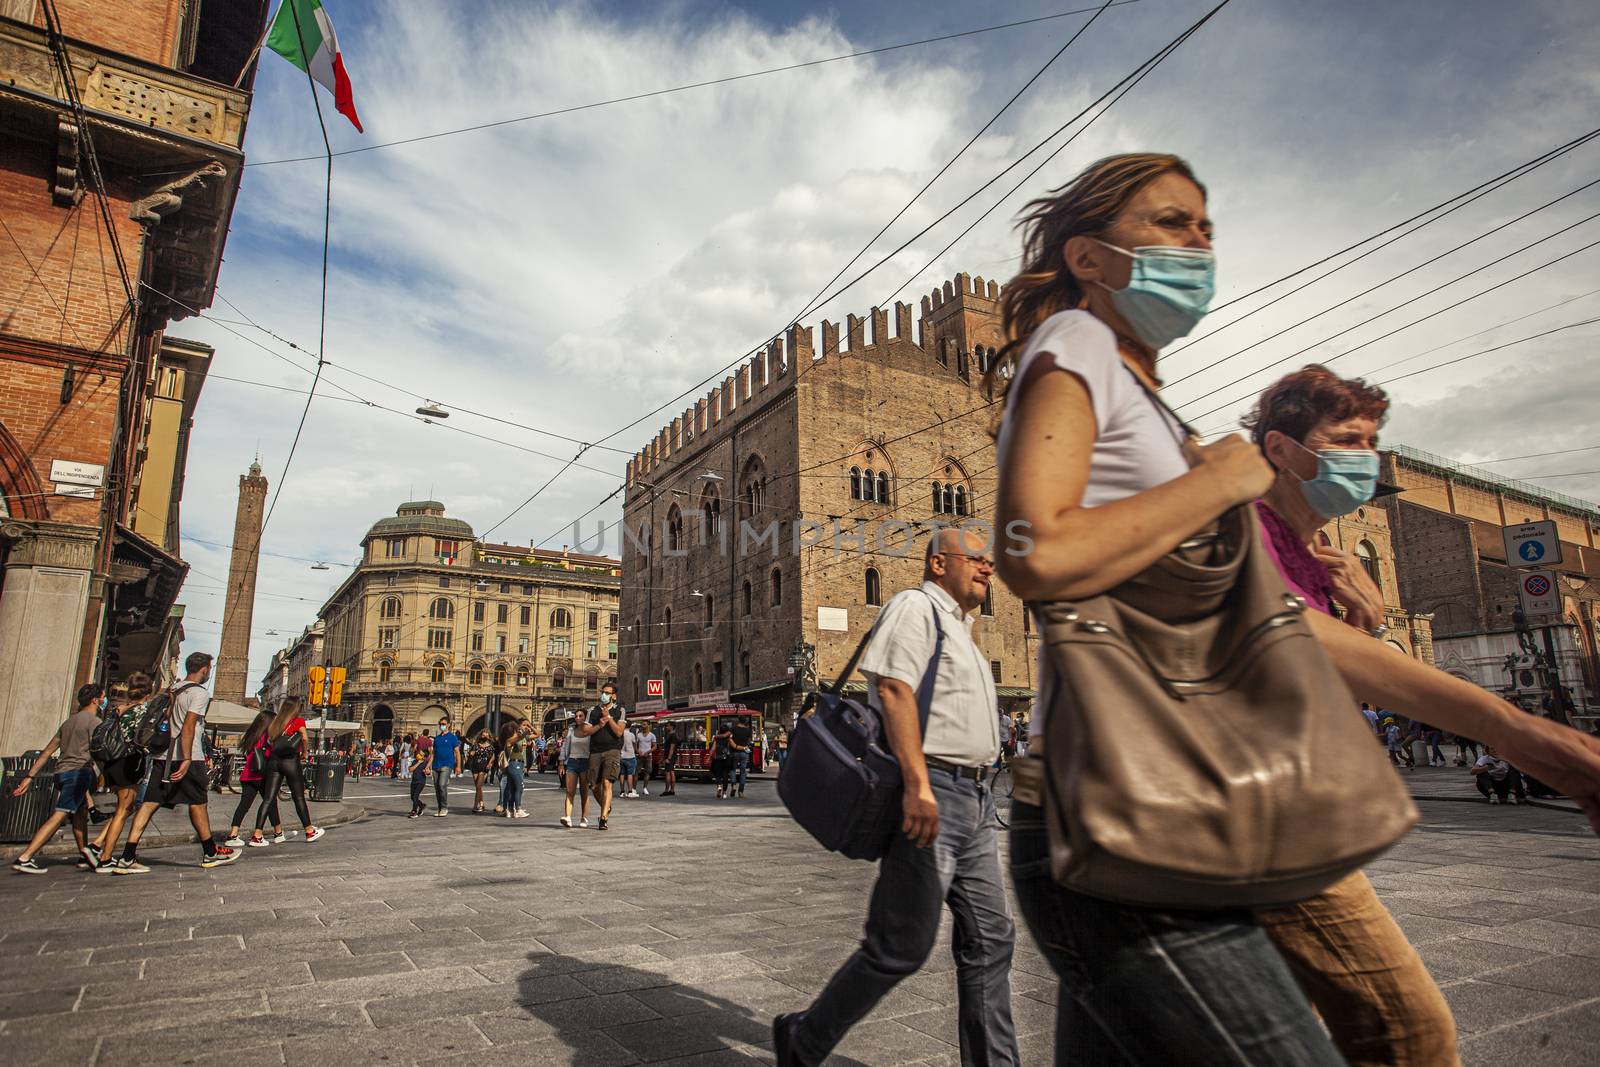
571,273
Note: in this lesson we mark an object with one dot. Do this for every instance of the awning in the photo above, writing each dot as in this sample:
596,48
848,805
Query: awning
143,587
332,726
1004,692
226,715
764,687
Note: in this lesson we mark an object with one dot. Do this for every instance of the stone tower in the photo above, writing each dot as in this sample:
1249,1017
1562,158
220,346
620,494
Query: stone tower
233,658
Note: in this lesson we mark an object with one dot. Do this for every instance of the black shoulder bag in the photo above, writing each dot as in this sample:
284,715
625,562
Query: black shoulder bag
841,781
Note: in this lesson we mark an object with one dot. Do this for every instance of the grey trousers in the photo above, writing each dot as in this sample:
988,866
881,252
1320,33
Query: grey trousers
961,869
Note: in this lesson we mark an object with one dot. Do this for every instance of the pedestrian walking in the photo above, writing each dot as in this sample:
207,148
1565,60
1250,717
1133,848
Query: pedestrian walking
780,745
75,776
479,760
922,666
1431,737
390,766
514,737
126,775
574,756
604,727
290,742
447,755
645,747
257,748
669,761
1116,265
629,763
178,775
722,759
418,769
402,763
742,739
1465,747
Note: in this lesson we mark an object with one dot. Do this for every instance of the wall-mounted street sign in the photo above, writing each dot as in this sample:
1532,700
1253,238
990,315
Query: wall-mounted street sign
706,700
75,473
649,707
1538,592
1532,544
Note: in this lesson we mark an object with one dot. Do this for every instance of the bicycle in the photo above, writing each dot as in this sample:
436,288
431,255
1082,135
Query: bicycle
1002,785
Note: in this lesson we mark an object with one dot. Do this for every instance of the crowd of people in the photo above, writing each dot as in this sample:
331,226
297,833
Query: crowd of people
149,749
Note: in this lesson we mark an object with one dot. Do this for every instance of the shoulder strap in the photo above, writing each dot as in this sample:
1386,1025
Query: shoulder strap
1162,406
929,676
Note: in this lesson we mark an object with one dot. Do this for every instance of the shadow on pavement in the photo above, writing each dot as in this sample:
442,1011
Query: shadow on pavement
585,1012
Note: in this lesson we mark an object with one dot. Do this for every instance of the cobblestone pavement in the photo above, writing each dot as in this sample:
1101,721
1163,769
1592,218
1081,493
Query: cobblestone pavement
671,938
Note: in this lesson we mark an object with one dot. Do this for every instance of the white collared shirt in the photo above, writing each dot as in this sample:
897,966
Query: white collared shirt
963,723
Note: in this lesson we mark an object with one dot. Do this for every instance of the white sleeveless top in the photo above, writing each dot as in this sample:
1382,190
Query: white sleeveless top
1136,442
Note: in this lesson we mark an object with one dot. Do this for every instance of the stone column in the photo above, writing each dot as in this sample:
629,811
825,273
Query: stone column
43,606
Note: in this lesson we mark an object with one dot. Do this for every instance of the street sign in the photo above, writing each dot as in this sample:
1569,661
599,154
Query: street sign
701,700
649,707
65,470
1532,544
68,489
1538,592
655,687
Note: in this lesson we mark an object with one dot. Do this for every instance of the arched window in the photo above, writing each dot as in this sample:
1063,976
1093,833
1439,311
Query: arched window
522,676
748,597
500,675
475,674
949,500
674,529
874,588
988,602
710,514
855,483
753,489
558,678
869,485
699,682
644,544
711,609
441,608
561,619
390,608
1369,562
666,683
883,487
591,680
961,500
938,497
436,676
383,670
776,586
666,625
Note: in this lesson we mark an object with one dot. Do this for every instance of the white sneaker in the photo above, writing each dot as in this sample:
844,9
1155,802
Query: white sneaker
315,833
130,867
278,839
566,820
257,842
584,822
1494,800
234,842
441,813
645,790
519,814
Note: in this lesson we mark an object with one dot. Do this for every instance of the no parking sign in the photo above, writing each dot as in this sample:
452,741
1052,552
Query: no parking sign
1538,593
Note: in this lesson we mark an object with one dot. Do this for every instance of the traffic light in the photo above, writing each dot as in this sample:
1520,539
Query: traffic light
318,675
335,685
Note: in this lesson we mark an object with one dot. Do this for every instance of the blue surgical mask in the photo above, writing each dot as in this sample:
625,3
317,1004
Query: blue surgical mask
1346,479
605,698
1167,294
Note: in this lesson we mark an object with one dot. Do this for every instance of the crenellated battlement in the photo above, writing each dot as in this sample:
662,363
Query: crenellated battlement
773,369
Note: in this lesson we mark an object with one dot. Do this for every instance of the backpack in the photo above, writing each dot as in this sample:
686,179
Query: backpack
153,733
108,744
841,781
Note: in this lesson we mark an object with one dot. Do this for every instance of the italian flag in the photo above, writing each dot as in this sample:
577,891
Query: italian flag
303,34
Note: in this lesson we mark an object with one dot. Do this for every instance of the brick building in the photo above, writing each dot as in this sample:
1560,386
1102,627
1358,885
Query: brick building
766,525
1365,534
1447,525
433,621
120,156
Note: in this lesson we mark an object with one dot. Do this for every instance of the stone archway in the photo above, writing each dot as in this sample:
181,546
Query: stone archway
382,723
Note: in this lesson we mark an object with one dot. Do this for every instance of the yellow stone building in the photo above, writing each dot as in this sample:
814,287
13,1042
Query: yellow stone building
433,620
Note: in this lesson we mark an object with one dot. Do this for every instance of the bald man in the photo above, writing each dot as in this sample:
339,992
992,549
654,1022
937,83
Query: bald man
947,852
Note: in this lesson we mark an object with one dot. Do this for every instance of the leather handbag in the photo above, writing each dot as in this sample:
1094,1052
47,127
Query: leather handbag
1200,749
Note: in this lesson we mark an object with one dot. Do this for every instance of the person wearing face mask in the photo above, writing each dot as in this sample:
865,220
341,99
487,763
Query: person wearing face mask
1102,491
1320,433
603,727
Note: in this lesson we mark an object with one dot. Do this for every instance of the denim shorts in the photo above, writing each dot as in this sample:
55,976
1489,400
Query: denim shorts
629,767
73,788
577,766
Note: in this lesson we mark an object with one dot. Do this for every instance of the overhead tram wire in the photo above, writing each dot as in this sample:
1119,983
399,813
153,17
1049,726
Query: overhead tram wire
1387,281
1397,307
696,85
1138,71
1498,182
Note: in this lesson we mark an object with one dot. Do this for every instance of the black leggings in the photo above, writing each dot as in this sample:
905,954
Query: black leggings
419,781
249,791
285,769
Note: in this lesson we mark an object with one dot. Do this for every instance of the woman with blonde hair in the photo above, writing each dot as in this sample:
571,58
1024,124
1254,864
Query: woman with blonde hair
289,740
1099,483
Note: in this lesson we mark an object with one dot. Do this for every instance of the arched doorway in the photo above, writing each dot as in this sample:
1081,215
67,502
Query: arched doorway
382,723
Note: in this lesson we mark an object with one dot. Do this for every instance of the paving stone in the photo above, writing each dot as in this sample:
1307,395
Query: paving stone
1482,1005
1566,1037
1565,975
361,966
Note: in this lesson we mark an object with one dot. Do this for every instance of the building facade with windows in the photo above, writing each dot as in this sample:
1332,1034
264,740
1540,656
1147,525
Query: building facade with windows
433,621
766,526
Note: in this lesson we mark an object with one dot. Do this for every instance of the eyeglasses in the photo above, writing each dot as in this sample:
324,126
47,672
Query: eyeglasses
982,561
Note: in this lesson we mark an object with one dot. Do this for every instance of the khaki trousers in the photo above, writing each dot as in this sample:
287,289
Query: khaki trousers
1364,978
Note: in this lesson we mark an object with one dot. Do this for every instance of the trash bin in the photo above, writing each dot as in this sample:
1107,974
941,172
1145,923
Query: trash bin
21,816
327,776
